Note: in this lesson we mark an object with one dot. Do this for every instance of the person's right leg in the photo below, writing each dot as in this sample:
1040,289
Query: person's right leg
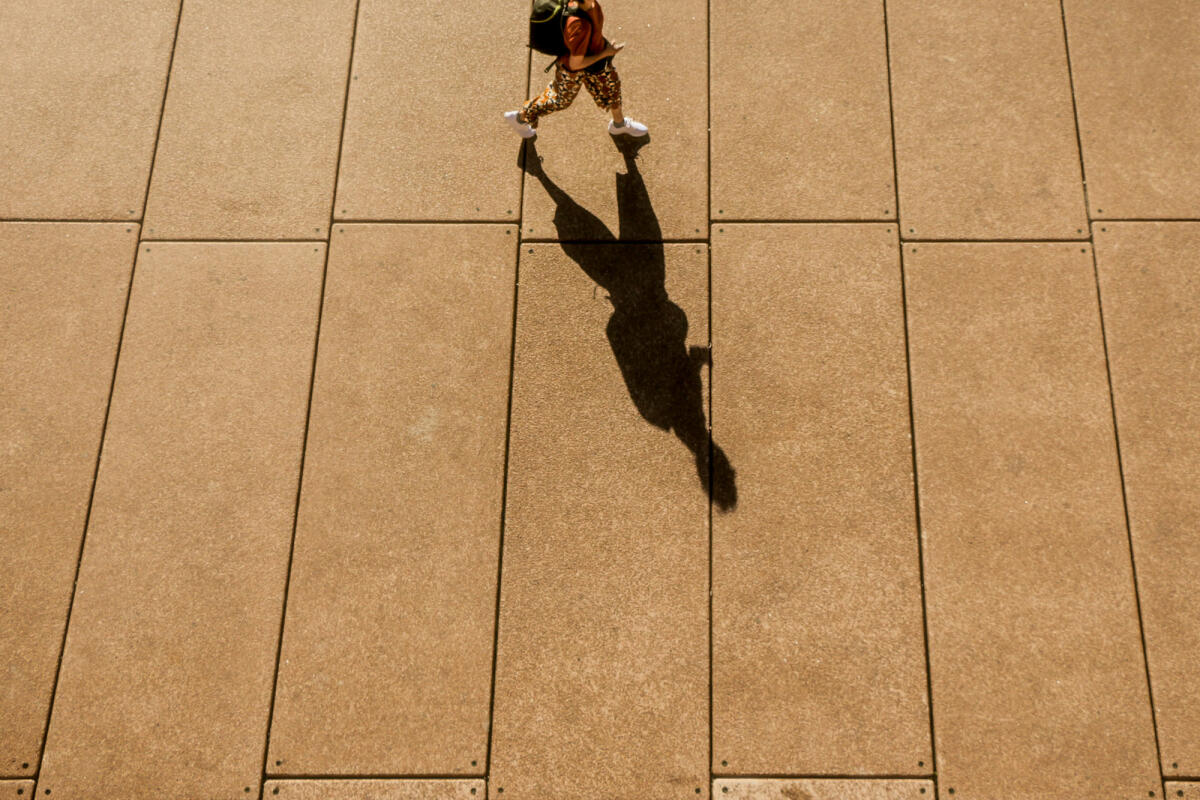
555,97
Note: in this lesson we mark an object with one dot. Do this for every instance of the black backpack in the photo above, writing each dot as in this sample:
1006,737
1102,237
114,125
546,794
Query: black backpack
547,25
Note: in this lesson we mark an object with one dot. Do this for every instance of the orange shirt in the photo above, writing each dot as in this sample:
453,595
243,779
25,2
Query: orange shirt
583,39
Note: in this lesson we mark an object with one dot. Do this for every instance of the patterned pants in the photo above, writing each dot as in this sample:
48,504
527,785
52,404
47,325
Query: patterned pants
604,87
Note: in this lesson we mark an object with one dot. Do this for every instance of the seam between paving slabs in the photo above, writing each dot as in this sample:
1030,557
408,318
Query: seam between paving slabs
711,370
232,241
375,776
823,776
912,423
1081,240
1062,11
307,414
1112,403
1144,219
602,242
709,487
801,220
87,516
48,220
418,221
162,111
512,359
107,408
512,352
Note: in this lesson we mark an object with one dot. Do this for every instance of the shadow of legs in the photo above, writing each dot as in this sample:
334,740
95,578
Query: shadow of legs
647,331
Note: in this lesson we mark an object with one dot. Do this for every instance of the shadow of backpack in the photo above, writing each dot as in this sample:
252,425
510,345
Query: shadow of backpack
547,27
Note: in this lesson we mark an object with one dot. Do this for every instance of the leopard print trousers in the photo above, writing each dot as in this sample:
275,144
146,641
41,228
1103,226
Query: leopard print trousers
604,87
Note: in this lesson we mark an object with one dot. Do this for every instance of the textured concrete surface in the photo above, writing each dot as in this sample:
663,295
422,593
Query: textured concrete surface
1188,791
664,85
824,150
14,789
601,678
818,660
263,168
985,134
822,789
1027,572
81,85
387,658
1151,296
423,128
1137,84
64,290
941,534
166,677
375,789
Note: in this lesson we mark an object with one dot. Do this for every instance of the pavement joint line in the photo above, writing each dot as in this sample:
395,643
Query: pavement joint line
266,753
1114,220
145,240
711,371
512,353
912,421
711,376
612,242
1081,240
802,221
1074,114
162,112
416,221
380,776
862,776
1112,403
512,360
87,518
51,221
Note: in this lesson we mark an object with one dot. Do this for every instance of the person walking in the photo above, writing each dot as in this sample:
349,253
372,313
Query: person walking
587,63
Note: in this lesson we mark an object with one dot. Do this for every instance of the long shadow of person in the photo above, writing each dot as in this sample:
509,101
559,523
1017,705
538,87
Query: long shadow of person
647,332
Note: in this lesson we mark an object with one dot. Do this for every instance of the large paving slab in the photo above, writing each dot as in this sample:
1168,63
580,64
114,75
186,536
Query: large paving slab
602,674
387,652
825,150
375,789
81,85
985,130
664,85
167,672
1150,293
63,292
1137,85
818,648
822,789
425,139
10,790
1039,687
1188,790
250,130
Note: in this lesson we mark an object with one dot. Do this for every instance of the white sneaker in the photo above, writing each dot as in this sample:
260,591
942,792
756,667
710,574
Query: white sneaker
631,128
523,129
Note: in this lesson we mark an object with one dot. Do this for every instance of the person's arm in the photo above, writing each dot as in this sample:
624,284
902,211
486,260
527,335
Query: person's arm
578,62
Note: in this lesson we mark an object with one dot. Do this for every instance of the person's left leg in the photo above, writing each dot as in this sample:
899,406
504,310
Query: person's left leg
605,89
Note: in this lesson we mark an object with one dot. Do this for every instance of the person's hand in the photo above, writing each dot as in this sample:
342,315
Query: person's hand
613,49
